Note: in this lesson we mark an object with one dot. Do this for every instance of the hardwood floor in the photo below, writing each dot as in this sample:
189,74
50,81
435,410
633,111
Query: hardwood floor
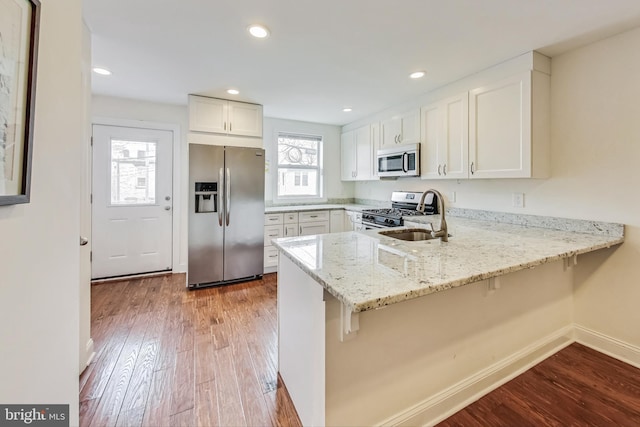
575,387
166,356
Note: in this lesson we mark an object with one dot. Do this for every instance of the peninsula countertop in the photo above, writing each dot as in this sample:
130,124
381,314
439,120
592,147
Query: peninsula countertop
366,270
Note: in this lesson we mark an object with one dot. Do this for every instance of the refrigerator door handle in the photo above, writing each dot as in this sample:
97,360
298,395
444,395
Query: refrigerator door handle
219,208
227,193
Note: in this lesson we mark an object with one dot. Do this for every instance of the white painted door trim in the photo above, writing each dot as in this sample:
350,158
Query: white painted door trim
179,259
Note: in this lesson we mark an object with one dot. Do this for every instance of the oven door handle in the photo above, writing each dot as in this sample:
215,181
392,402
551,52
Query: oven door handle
405,162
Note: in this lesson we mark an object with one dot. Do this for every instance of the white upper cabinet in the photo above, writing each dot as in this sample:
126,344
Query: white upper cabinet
445,138
357,154
509,128
222,116
348,156
401,129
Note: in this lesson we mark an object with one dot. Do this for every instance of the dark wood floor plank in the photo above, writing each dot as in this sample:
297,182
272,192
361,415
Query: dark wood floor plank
183,385
158,408
141,378
230,408
575,387
183,419
113,396
206,405
204,358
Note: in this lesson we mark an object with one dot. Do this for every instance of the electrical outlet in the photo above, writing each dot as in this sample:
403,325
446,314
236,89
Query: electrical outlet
452,197
517,200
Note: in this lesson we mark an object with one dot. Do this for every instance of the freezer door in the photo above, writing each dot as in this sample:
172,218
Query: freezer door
244,213
206,232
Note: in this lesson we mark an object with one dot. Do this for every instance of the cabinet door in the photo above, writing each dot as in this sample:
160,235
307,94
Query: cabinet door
364,153
272,232
500,129
348,156
245,119
454,141
336,224
410,127
207,114
270,257
309,228
290,230
430,149
390,130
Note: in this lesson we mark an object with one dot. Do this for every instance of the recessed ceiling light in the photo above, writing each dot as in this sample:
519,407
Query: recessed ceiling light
347,109
101,71
417,74
233,91
259,31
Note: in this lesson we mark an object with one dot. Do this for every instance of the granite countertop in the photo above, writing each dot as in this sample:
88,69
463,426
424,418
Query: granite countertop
365,270
320,207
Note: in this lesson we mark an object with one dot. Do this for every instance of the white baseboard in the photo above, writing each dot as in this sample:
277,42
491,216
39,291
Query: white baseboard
610,346
89,354
446,403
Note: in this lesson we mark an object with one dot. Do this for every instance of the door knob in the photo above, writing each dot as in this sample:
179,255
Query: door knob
83,241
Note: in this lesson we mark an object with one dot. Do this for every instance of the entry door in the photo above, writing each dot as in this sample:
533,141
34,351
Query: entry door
132,201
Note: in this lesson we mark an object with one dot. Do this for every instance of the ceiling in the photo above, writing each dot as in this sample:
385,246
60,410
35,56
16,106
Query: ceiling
324,55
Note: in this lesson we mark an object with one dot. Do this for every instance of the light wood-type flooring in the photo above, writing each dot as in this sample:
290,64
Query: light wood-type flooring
167,356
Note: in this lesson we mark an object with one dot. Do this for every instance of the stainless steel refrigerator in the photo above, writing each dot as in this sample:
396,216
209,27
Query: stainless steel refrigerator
226,214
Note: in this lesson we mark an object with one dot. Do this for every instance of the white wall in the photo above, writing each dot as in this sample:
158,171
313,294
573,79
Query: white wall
334,188
106,107
595,140
39,251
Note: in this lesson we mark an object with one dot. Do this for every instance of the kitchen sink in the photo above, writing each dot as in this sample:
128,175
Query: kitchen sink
411,234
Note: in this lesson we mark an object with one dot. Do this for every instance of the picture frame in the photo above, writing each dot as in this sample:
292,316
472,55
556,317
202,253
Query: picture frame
19,32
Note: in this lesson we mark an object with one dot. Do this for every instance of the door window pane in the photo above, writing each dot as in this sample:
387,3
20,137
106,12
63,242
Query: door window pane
133,178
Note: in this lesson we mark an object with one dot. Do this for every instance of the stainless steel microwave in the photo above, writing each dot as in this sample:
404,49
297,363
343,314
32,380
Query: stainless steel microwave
399,160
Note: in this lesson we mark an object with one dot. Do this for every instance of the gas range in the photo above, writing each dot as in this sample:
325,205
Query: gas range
403,203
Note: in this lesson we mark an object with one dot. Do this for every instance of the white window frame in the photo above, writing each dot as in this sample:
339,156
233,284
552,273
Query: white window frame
277,198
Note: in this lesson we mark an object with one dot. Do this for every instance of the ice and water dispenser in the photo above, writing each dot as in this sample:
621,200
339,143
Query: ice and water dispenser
206,197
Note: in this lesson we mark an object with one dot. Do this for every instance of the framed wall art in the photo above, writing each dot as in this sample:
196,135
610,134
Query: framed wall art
19,25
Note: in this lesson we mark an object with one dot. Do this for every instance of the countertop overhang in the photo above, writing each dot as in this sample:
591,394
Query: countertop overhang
366,270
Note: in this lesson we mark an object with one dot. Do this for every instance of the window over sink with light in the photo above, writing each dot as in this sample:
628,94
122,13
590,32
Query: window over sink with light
299,167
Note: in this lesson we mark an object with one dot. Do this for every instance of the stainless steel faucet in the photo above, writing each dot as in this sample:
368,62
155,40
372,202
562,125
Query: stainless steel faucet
442,233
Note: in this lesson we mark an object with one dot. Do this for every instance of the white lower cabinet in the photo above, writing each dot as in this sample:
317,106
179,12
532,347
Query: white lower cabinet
353,221
336,222
273,229
309,228
314,222
292,224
